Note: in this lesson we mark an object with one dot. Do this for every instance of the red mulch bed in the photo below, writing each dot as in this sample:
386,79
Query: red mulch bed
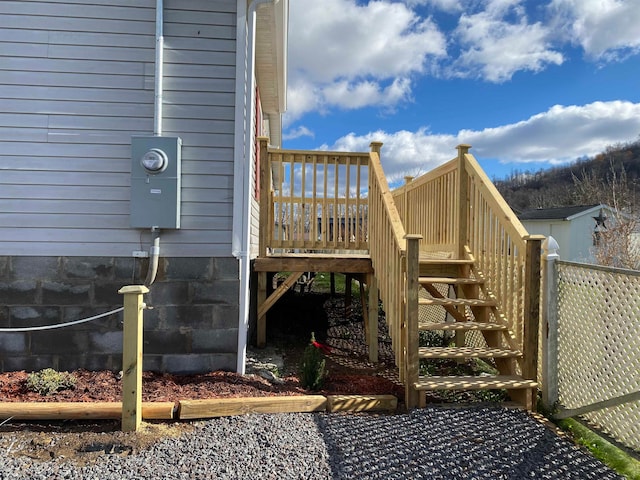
104,386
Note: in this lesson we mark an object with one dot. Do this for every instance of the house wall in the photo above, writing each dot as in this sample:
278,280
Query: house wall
76,82
581,240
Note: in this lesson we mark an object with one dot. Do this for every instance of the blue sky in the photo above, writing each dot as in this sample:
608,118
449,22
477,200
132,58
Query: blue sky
528,84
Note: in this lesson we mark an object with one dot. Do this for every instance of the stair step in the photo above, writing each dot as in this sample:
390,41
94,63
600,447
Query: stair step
444,261
468,302
473,383
465,326
467,352
451,280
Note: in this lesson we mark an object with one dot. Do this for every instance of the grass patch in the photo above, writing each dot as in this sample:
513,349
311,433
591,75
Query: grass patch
322,284
603,450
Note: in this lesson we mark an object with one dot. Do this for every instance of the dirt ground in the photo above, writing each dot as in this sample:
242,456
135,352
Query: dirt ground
288,332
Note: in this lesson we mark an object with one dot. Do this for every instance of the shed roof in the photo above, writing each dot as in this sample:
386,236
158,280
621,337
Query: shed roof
560,213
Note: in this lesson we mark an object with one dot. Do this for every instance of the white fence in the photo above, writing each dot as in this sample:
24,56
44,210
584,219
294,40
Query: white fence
591,346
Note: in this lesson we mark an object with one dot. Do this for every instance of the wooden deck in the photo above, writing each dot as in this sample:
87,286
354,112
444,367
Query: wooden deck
301,262
445,243
356,265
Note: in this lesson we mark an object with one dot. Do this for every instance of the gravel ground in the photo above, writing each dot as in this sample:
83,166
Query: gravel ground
433,443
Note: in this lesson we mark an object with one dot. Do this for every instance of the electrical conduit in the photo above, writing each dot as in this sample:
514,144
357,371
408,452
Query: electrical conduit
154,251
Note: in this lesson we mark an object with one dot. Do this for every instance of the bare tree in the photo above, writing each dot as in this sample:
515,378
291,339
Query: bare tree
614,244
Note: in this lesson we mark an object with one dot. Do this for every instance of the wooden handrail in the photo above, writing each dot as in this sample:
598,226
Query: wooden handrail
494,198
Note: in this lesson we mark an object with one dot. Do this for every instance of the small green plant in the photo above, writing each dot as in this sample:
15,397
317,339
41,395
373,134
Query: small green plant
48,381
312,372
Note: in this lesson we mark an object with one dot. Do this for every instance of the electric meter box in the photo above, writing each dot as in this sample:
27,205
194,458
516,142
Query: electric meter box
155,182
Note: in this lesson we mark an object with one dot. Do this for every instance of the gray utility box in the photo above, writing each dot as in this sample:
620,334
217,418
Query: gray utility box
155,182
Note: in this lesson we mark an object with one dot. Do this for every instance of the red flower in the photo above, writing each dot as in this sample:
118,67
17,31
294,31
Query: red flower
324,348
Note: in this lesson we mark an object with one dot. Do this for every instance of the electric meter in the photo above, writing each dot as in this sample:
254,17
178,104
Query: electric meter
154,160
155,182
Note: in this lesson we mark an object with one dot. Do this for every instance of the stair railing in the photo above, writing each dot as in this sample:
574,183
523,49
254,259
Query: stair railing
388,250
456,208
506,256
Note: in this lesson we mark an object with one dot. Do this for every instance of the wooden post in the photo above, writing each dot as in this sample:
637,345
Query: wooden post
132,357
376,147
411,396
463,200
266,220
550,323
262,319
348,280
405,213
372,341
531,310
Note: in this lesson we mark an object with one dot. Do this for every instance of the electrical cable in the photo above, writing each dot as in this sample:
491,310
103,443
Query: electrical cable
60,325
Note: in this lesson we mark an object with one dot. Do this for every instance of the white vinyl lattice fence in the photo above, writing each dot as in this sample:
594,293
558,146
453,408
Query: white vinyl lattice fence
598,347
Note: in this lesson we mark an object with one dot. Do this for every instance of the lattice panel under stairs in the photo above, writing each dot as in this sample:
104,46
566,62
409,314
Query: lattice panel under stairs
599,345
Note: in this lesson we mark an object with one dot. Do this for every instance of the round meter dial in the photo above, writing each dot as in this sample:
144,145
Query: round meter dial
154,161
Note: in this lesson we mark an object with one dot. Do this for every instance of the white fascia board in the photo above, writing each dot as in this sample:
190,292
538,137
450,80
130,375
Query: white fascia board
590,211
282,27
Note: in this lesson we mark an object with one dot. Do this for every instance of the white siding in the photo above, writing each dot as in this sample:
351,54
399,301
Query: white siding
76,82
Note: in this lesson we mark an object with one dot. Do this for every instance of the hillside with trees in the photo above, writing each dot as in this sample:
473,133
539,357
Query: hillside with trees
612,178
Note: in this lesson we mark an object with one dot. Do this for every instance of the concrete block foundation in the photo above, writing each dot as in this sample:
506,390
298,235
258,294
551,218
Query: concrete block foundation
192,328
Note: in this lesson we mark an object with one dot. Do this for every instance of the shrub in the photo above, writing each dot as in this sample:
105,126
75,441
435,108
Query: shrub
48,381
312,372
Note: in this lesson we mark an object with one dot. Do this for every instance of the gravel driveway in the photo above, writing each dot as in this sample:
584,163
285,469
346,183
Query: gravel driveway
433,443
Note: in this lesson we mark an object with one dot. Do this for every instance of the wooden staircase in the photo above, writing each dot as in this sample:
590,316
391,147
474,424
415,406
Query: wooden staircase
459,293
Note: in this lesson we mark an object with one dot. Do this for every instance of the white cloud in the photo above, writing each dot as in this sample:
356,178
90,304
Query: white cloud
298,132
561,134
605,29
346,55
499,41
365,93
450,6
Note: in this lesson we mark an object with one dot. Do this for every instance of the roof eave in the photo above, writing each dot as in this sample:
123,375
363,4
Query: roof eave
271,55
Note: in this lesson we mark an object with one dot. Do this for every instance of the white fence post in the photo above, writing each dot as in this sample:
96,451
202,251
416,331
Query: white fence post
550,249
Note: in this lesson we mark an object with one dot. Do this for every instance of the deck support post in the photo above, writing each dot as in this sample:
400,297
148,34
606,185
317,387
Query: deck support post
348,280
372,318
132,357
261,340
411,334
463,200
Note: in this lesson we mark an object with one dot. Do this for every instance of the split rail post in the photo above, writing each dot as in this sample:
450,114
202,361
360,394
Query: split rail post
550,255
411,320
463,200
132,357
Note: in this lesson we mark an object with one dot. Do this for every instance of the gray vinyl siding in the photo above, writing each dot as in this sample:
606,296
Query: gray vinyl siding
76,82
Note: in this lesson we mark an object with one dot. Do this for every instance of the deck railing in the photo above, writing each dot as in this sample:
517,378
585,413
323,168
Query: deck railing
317,200
314,201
